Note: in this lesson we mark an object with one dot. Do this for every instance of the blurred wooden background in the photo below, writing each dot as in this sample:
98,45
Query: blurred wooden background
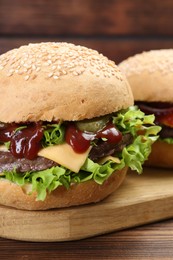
117,28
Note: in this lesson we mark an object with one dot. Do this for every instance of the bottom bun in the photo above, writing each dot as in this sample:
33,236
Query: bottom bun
161,155
12,195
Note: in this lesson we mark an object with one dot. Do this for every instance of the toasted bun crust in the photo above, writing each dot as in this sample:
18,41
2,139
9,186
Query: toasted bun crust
161,155
87,192
150,75
51,81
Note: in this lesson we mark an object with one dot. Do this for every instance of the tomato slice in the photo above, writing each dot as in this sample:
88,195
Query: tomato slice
165,120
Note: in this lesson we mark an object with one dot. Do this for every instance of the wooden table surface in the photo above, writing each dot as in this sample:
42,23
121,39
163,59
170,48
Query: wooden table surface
153,241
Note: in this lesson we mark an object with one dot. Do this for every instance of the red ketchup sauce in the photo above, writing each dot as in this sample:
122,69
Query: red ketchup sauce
24,143
80,141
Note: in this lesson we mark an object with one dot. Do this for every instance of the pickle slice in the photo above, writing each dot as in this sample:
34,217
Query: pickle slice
92,125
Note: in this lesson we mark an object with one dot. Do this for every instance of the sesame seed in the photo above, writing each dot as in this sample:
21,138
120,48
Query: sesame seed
29,71
54,67
49,62
75,73
26,77
38,69
55,77
64,72
50,75
9,74
34,67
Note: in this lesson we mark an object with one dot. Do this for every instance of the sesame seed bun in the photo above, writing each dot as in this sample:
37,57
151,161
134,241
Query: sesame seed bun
51,81
78,194
150,75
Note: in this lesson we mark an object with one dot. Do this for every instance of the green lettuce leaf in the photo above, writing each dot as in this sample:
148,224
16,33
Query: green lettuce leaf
53,134
134,121
131,120
168,140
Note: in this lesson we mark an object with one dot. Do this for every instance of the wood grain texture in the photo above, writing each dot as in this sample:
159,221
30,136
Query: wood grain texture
140,200
78,17
154,241
115,49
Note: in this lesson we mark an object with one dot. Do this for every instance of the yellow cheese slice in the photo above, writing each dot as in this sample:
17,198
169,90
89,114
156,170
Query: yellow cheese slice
64,155
107,158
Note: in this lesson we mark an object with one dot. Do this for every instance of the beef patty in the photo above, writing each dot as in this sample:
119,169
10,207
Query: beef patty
8,162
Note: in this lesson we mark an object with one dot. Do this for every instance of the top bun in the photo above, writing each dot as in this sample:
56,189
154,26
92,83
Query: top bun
150,75
51,81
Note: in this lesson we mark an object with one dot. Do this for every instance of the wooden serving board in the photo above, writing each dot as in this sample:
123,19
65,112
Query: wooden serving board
141,199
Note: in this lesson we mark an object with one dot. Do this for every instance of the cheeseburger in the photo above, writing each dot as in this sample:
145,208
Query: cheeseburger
68,130
150,75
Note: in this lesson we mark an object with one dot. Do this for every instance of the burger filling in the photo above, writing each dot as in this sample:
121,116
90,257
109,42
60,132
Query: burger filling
48,155
163,113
